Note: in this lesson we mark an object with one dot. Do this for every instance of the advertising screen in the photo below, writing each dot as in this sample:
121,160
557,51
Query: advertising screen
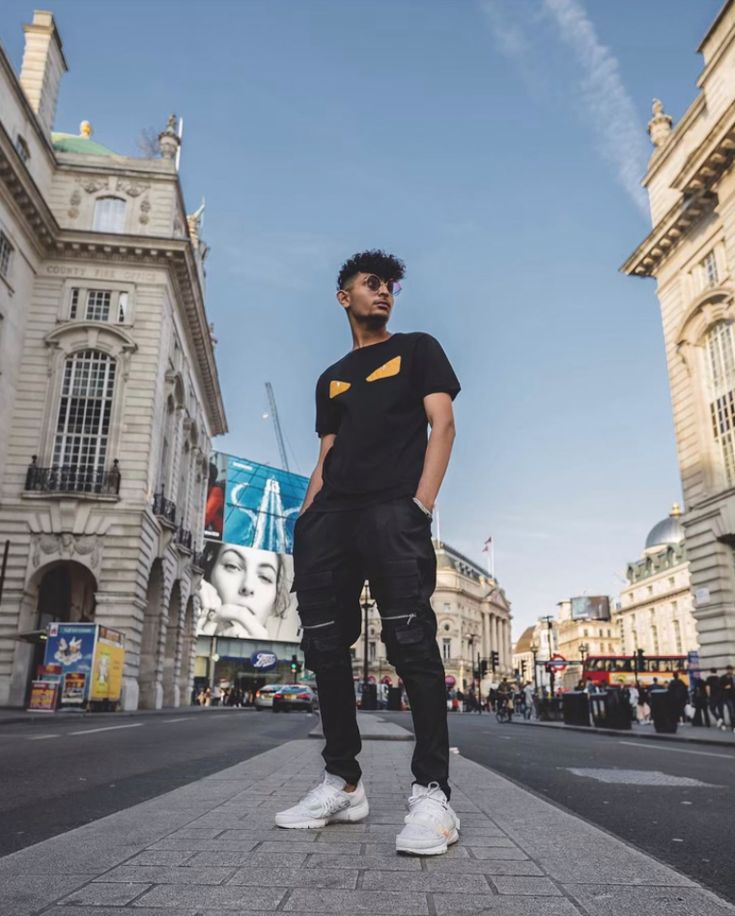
591,607
248,566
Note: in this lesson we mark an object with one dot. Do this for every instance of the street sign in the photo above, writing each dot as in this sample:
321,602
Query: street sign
557,662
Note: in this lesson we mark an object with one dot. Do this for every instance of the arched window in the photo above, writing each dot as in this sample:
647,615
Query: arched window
109,214
83,425
721,365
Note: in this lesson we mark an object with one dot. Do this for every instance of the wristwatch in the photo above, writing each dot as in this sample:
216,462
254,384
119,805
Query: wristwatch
423,508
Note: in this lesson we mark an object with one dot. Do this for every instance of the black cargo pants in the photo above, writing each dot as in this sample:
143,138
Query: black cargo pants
390,545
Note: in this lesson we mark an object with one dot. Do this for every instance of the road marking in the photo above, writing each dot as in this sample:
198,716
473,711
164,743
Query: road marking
107,728
504,737
676,750
177,719
41,737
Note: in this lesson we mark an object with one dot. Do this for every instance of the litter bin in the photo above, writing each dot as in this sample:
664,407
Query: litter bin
394,699
663,711
617,710
576,708
369,696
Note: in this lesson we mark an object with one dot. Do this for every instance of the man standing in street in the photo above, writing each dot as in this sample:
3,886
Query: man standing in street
367,515
714,696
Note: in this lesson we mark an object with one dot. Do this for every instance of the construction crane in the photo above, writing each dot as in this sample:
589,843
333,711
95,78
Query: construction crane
277,425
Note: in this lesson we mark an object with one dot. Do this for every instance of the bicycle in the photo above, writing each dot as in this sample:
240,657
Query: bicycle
504,712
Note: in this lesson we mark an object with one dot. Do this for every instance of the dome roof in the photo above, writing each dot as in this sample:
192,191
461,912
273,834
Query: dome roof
80,143
667,533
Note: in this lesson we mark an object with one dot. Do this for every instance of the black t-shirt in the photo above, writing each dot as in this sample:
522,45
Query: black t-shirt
713,682
372,399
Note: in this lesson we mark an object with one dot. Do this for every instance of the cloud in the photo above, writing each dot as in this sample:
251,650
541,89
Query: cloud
608,108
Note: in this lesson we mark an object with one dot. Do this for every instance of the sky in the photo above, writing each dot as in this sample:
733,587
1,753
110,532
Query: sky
497,146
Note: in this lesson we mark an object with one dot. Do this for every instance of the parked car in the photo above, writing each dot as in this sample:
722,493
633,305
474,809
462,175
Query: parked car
294,696
264,696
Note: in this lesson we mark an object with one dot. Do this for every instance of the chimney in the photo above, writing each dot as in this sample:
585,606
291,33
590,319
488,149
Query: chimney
43,66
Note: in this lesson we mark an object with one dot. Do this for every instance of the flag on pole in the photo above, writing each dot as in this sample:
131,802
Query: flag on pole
485,545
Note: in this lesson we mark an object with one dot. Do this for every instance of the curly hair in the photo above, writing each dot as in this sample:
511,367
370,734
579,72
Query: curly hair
374,261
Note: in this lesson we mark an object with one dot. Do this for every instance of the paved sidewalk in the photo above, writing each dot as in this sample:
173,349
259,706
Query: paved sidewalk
210,849
685,733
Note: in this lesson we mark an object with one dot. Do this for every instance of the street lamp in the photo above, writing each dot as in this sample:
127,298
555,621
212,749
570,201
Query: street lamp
366,605
584,651
534,652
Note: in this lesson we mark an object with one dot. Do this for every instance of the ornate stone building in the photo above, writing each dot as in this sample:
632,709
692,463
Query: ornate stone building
473,616
108,389
655,610
691,253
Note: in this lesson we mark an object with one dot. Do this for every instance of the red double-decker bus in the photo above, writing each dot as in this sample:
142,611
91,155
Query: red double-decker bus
631,669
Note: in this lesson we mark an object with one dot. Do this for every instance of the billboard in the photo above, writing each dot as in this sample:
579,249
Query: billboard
591,607
250,517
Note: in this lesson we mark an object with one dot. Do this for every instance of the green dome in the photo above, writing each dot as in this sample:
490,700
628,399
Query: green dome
72,143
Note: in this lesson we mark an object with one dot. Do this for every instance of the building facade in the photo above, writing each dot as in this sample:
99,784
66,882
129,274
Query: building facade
473,618
109,393
655,610
691,253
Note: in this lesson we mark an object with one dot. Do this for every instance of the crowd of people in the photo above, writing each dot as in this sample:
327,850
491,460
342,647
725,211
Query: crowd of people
223,696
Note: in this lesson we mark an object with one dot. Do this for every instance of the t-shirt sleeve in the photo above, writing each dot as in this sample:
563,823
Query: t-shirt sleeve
432,370
327,416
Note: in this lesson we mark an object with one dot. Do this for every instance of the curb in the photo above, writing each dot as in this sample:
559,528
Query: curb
46,717
622,733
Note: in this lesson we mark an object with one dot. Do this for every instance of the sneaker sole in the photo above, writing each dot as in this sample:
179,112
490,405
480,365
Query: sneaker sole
431,850
348,816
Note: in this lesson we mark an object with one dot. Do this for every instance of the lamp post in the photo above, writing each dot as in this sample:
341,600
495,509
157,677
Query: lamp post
534,652
366,605
584,651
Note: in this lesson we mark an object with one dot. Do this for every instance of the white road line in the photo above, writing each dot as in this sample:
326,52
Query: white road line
676,750
504,737
107,728
41,737
177,719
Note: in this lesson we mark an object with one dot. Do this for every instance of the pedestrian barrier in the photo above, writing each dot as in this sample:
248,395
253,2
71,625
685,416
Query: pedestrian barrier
576,708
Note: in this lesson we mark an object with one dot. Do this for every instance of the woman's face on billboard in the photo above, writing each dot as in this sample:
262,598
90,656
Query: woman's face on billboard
247,577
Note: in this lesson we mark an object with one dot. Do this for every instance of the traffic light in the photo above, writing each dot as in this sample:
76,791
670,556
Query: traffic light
483,668
494,659
295,665
523,668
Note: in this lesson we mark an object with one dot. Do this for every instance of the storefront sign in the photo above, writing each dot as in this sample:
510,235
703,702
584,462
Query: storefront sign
44,695
264,661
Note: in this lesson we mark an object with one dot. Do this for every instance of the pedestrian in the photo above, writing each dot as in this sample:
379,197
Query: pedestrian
679,694
367,514
727,697
701,702
714,696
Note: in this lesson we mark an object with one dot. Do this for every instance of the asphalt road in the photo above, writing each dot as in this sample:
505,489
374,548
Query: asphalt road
688,826
58,774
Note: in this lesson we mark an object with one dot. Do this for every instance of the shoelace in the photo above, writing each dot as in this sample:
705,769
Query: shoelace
433,813
320,795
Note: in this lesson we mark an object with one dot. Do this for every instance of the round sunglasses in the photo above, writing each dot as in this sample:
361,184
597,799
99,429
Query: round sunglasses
374,282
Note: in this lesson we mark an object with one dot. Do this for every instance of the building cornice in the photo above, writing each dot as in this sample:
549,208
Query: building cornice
174,255
696,180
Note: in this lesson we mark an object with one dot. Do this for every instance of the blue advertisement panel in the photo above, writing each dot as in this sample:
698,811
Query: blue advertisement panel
71,645
261,505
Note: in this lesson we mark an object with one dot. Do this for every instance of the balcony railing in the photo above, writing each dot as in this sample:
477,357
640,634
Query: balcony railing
73,478
183,537
164,508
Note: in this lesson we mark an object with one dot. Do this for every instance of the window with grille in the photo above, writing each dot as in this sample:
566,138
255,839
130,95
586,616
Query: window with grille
6,252
99,305
446,649
710,269
721,365
83,425
109,214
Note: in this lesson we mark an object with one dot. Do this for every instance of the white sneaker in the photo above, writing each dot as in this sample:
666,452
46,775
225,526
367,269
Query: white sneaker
431,824
326,803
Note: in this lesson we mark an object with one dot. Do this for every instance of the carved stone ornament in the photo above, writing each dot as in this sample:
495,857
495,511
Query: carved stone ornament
66,546
145,209
76,198
130,187
659,127
92,185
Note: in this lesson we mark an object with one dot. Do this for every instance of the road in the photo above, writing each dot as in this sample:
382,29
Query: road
687,825
59,774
